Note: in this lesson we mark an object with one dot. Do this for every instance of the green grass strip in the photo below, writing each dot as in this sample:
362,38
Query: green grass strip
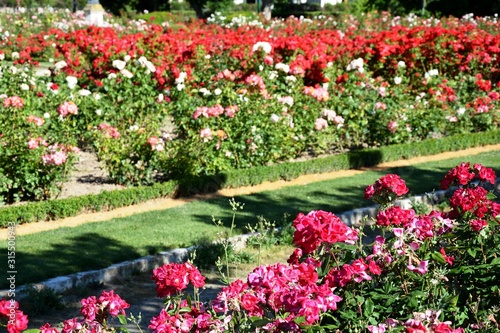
97,245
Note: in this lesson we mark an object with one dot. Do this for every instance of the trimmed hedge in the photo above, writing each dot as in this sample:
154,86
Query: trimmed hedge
107,200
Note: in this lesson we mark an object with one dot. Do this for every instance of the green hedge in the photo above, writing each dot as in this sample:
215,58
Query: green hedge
61,208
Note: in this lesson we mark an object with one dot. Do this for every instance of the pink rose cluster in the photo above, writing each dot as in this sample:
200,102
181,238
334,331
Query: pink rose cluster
109,131
38,121
58,153
193,318
386,189
11,317
55,157
215,111
67,108
319,93
34,143
173,278
95,311
13,102
292,289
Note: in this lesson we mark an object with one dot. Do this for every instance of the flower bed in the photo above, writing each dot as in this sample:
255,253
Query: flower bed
421,270
150,100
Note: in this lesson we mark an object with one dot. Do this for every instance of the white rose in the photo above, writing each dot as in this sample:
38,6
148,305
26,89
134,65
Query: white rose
127,73
119,64
84,92
72,81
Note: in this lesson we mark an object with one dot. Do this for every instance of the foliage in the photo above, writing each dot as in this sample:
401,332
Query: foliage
152,99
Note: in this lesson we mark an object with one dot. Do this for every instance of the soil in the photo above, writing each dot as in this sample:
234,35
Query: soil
139,290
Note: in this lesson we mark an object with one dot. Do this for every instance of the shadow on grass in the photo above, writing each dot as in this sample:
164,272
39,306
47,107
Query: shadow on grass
344,194
88,251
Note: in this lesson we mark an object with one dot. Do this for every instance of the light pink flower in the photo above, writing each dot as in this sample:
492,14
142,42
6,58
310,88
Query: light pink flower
206,134
422,267
320,123
392,126
67,108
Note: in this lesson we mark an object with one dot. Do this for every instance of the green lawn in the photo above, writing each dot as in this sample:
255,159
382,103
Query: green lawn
97,245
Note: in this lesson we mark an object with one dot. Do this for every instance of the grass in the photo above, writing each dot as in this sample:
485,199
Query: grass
97,245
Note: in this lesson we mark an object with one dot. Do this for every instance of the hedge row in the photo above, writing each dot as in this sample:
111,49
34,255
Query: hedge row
108,200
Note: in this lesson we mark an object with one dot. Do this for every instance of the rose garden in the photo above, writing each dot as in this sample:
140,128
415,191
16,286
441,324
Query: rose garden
160,103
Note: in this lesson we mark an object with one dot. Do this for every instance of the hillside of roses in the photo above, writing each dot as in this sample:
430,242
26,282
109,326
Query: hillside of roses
149,100
404,271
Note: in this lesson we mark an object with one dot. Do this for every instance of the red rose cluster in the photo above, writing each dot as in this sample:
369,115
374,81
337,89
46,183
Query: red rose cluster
320,227
16,320
386,189
173,278
463,174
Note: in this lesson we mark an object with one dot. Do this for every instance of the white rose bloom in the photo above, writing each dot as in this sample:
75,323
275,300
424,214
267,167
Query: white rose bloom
13,70
15,55
207,56
205,92
43,72
126,58
275,118
461,111
127,73
111,76
273,75
98,112
46,115
161,98
356,64
97,96
181,78
291,78
397,80
119,64
133,128
141,61
24,86
150,67
2,56
84,92
432,72
72,81
282,67
401,64
180,86
217,91
264,46
60,65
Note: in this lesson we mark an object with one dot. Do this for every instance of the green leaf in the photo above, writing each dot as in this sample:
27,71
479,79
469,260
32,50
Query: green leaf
32,330
122,319
495,261
368,307
436,256
472,252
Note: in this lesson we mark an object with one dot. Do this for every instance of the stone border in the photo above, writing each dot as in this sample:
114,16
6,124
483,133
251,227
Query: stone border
355,217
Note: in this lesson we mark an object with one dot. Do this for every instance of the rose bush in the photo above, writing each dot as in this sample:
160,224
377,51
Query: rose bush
412,272
246,94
